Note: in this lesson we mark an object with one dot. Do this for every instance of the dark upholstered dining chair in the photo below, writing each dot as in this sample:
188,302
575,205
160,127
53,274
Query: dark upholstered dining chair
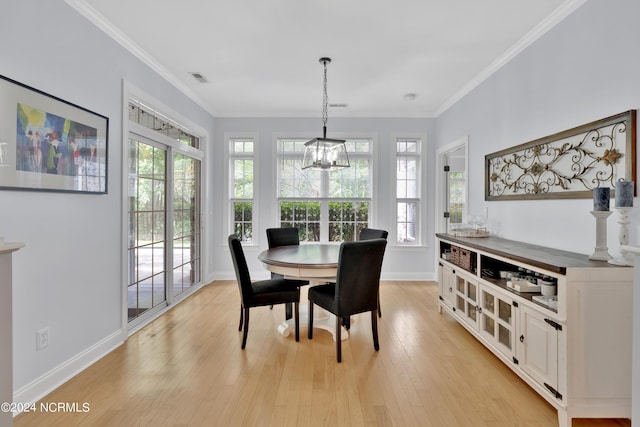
373,233
261,293
285,236
356,287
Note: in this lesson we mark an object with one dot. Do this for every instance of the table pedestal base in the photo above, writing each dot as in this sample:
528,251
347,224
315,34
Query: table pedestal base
322,319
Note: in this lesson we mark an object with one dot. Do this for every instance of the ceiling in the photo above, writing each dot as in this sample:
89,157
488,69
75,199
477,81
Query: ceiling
260,58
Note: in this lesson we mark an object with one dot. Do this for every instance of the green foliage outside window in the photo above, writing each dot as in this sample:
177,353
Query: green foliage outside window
346,220
303,215
242,220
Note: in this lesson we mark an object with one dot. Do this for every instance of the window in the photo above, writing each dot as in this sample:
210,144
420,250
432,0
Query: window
408,153
325,206
150,118
242,173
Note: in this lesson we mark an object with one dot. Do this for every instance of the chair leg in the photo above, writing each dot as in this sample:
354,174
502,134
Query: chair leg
246,328
296,317
310,326
288,311
338,339
241,317
379,311
374,330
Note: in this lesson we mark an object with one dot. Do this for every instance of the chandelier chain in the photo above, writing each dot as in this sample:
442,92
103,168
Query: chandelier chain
325,98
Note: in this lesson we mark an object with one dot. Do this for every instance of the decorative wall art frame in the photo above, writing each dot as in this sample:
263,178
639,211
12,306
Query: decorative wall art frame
48,144
566,165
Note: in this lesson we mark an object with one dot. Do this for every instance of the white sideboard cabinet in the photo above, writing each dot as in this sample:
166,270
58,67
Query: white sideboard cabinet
575,349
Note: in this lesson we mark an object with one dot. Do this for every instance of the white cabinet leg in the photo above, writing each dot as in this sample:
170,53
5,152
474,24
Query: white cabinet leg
564,419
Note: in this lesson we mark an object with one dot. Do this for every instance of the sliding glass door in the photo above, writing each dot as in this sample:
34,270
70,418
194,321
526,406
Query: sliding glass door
163,225
186,223
147,237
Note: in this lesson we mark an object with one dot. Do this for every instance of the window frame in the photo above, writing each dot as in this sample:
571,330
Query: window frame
324,199
420,200
233,156
228,193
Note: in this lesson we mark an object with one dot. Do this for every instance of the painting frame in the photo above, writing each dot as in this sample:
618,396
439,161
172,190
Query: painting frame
567,164
50,144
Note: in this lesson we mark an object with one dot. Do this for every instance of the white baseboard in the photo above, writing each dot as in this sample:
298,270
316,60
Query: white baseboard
46,383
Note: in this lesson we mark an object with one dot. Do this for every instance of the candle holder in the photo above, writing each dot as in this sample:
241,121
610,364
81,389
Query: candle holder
601,252
624,258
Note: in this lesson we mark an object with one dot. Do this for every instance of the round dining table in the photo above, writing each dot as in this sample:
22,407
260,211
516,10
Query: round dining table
315,262
312,261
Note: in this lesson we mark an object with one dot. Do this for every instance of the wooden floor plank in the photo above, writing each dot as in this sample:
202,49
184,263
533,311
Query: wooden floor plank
187,369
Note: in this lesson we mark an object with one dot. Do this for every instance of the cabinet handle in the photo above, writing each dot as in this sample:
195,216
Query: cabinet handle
450,289
521,338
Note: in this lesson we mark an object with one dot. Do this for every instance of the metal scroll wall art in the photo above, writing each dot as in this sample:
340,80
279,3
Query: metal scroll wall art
566,165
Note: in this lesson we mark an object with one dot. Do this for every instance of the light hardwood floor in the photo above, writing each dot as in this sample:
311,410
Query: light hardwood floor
187,369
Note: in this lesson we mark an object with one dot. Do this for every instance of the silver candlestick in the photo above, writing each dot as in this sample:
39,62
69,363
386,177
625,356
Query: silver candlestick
624,258
601,251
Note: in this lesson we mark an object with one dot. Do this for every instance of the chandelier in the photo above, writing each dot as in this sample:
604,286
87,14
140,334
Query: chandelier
325,153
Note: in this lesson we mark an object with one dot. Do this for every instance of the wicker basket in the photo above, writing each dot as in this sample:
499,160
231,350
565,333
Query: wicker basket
463,258
470,232
467,260
455,255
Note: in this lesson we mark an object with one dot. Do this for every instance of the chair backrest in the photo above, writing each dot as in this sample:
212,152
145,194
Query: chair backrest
372,233
240,265
282,237
358,277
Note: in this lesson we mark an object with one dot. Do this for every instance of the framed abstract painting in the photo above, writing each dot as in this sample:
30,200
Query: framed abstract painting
48,144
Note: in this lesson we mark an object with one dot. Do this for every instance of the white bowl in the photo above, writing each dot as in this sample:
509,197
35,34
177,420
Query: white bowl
548,290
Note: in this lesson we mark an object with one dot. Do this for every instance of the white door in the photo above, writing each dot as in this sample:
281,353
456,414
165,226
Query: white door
538,348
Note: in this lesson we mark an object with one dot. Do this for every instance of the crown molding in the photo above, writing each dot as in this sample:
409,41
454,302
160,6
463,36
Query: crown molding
108,28
566,9
538,31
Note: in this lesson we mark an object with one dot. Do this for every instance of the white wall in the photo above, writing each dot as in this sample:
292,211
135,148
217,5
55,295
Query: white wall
584,69
68,277
401,263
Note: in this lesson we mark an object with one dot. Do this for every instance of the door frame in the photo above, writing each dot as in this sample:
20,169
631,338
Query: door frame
130,91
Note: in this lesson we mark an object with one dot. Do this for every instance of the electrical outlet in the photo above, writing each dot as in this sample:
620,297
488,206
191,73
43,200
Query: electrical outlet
42,338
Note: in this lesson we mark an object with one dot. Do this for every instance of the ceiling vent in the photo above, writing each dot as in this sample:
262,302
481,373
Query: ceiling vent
199,77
